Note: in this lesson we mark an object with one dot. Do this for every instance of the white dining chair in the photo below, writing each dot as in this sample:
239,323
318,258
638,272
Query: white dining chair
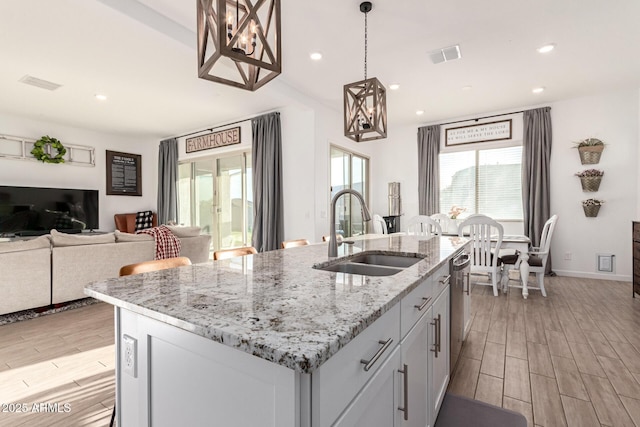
537,258
379,225
423,225
486,235
446,223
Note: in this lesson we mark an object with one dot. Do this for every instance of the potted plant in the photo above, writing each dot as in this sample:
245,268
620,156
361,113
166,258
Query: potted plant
590,150
591,207
590,179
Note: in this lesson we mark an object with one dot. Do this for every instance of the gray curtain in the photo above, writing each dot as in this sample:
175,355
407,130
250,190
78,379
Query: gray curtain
268,206
428,170
167,181
536,155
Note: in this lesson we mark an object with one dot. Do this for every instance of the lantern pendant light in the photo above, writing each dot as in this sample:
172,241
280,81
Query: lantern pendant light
239,42
365,101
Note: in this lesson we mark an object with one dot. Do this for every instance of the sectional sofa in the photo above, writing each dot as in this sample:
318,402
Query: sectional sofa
55,268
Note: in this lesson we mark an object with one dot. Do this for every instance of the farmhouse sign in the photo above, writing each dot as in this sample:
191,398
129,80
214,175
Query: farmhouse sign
213,140
493,131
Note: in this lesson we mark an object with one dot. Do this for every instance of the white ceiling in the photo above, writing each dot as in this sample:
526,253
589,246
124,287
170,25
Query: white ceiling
142,55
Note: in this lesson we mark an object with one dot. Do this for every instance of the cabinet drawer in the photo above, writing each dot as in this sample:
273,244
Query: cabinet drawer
414,305
339,379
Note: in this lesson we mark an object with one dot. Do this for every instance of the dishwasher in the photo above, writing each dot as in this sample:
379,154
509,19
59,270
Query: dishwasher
459,268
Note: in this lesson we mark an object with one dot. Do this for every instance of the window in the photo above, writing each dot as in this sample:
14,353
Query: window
216,194
349,170
487,181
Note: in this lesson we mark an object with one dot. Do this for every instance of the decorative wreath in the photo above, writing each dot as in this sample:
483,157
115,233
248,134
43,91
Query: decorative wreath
39,153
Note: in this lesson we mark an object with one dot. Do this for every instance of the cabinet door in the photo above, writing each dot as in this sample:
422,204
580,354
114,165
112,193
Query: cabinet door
414,396
440,358
376,404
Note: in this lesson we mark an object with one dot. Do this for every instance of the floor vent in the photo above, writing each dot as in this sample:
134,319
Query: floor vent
42,84
445,54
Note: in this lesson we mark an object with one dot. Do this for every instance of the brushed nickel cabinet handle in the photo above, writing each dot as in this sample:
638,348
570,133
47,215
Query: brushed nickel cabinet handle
368,364
405,385
445,280
468,283
439,334
435,341
424,304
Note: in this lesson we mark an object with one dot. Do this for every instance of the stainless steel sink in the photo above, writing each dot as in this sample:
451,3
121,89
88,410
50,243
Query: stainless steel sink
386,260
367,264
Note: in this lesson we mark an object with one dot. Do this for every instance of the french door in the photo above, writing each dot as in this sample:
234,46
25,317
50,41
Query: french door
216,194
349,170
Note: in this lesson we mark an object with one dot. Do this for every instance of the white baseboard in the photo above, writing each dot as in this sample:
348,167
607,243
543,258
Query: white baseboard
599,276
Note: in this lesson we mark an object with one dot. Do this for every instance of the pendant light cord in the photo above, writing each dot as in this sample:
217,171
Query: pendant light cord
365,45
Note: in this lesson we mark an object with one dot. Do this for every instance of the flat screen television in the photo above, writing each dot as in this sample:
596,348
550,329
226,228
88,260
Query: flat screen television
33,211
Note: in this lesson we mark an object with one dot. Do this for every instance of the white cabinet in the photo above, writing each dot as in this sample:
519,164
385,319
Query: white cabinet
377,403
439,356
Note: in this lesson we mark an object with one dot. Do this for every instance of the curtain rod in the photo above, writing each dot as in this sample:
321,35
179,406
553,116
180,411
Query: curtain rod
481,118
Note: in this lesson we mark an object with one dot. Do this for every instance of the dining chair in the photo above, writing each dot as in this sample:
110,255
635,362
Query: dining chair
486,235
145,267
232,253
158,264
445,222
422,225
379,225
293,243
537,258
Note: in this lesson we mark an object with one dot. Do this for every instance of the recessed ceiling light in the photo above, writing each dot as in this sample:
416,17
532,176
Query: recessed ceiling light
316,56
394,86
466,87
101,97
537,90
420,112
547,48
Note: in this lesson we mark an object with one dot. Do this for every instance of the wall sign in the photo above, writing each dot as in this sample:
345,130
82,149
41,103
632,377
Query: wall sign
493,131
124,174
213,140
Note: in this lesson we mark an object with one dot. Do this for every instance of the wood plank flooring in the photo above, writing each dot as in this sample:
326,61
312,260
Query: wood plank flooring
571,359
65,358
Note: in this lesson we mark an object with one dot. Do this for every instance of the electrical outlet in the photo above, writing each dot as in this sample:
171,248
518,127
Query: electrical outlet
130,355
567,256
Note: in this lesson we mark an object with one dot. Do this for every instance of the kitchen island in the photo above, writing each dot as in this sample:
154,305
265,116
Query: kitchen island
269,340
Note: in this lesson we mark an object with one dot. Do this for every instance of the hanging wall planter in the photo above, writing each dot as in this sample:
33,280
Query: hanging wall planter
591,207
590,150
590,179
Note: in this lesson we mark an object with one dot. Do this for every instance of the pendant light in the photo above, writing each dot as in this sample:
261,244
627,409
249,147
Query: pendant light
239,42
365,101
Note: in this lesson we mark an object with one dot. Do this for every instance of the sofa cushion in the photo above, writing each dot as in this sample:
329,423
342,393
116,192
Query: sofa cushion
184,231
63,239
25,245
129,237
144,220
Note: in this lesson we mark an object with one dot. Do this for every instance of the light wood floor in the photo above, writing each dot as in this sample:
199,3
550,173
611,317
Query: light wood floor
571,359
63,358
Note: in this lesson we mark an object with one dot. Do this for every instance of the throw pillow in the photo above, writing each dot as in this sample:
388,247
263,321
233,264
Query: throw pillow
63,239
25,245
129,237
184,231
144,220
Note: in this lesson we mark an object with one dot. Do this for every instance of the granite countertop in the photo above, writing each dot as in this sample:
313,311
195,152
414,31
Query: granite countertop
274,305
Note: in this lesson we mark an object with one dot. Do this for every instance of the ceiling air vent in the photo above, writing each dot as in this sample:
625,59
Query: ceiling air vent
445,54
42,84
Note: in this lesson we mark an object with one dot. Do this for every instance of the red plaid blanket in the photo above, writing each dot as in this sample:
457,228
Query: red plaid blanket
167,244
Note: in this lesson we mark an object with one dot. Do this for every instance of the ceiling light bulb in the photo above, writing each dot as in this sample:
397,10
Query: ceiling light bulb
100,97
537,90
420,112
316,56
546,48
394,86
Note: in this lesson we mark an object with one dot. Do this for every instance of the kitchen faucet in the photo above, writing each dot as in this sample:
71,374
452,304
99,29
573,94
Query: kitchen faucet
333,244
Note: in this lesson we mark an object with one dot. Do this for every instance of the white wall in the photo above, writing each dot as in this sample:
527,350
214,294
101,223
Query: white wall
36,174
612,117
